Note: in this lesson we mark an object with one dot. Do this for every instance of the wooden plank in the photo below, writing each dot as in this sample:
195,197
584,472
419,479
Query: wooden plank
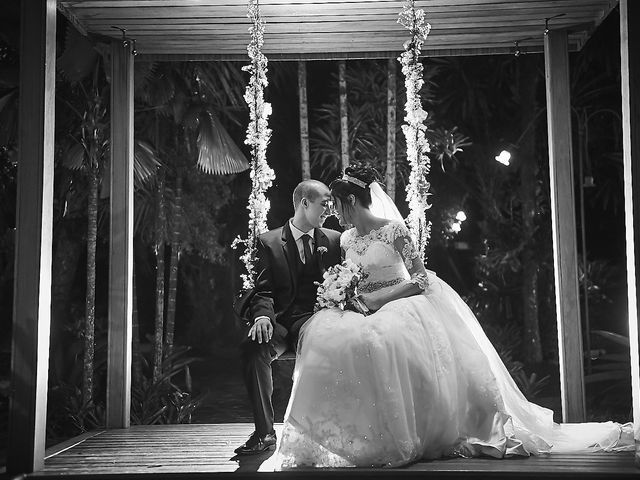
344,114
206,451
34,219
304,120
209,22
354,50
440,20
383,42
92,4
310,25
163,27
186,55
121,238
70,443
271,12
330,49
630,75
563,220
285,39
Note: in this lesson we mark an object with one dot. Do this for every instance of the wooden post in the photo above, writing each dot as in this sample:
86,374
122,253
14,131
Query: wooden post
563,220
121,238
32,277
630,73
304,120
391,128
344,124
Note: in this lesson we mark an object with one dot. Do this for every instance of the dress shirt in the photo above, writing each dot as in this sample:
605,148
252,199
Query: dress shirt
297,235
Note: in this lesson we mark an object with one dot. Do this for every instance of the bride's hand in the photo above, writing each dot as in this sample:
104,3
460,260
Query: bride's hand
371,301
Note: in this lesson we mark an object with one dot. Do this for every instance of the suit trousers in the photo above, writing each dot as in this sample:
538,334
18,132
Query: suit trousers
257,370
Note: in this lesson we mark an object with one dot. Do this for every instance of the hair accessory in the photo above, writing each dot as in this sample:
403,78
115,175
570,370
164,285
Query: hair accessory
355,181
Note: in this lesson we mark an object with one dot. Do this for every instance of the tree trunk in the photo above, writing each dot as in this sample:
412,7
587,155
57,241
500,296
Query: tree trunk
304,120
65,264
161,222
391,128
90,303
173,266
344,124
527,83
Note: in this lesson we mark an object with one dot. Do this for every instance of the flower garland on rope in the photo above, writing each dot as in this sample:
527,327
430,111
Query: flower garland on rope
258,135
414,128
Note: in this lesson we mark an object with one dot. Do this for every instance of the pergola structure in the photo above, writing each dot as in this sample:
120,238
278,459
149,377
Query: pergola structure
297,30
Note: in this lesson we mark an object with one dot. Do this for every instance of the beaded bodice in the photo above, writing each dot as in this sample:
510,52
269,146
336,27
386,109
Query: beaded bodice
386,254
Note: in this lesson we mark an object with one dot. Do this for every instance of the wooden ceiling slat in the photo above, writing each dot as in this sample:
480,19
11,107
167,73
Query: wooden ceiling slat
333,55
305,27
271,12
360,17
342,27
426,4
359,46
304,38
515,28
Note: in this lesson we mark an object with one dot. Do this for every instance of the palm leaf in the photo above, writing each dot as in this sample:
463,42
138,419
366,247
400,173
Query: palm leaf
157,89
74,158
79,57
220,80
145,166
614,337
146,161
217,152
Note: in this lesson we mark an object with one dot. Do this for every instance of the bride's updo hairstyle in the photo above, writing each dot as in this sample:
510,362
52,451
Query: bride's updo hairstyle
355,181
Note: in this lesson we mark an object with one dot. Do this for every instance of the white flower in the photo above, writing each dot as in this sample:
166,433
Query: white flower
339,285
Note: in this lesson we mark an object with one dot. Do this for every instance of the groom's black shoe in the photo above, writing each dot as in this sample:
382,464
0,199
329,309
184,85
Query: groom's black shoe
257,444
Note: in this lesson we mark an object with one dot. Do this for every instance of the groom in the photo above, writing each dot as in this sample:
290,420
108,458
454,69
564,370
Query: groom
290,260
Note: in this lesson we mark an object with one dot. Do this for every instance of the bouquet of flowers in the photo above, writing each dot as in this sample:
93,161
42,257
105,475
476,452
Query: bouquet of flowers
340,287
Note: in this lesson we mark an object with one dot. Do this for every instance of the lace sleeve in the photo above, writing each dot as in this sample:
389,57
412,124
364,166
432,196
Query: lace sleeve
404,245
345,239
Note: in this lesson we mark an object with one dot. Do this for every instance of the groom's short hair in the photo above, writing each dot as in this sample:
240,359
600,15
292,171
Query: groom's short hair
306,189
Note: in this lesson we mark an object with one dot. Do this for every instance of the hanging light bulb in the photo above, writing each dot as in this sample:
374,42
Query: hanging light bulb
504,157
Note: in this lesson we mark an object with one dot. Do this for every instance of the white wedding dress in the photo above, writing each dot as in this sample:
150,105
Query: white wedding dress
416,379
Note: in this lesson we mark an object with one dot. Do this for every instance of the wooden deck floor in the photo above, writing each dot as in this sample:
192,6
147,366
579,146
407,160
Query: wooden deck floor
206,451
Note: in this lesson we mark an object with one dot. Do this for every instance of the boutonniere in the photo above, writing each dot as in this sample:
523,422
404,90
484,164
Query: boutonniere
321,251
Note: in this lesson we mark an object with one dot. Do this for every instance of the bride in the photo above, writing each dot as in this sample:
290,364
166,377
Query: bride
417,378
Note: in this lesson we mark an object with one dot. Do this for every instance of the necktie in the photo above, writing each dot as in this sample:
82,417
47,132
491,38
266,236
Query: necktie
306,247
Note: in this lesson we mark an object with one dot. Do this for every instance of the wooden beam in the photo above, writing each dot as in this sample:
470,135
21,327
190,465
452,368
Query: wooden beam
272,11
391,128
185,55
121,238
344,119
32,277
630,73
304,120
563,220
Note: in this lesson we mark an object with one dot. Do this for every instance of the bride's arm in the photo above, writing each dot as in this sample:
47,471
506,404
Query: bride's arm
417,282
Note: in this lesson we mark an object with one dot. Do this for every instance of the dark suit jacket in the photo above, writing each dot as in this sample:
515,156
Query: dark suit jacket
277,280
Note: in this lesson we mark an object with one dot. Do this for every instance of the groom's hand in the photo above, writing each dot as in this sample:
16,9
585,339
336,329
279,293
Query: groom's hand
262,330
